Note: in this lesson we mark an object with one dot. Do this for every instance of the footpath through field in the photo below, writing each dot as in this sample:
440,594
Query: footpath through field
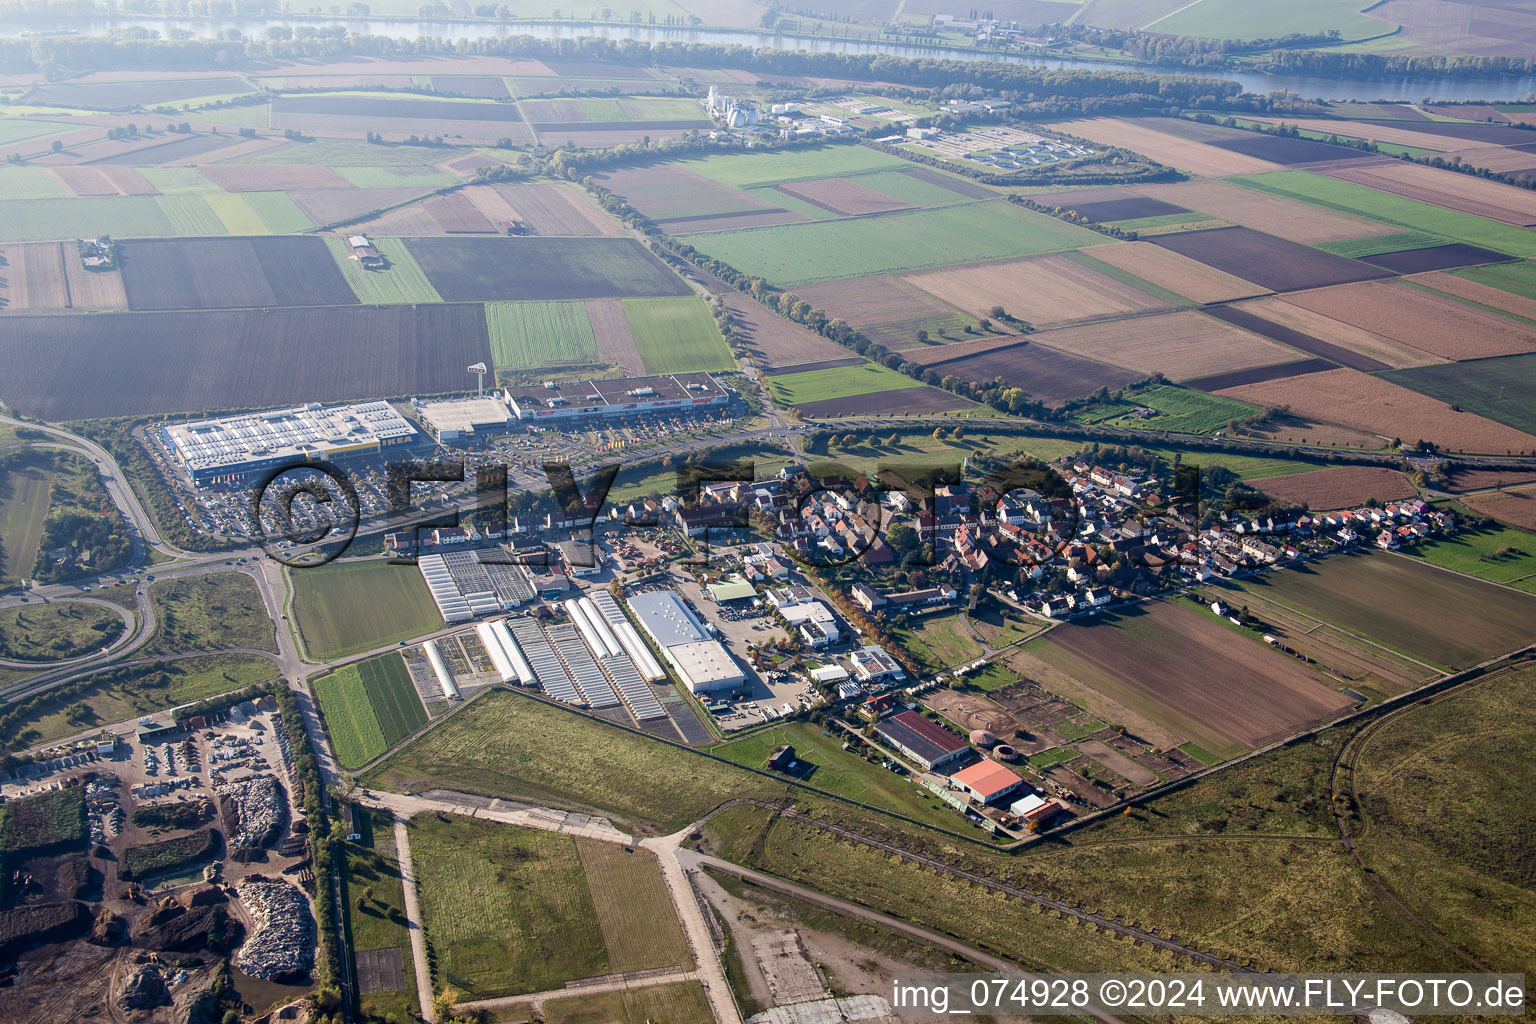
413,918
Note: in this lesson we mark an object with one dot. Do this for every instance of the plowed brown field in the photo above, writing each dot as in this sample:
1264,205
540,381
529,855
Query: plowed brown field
845,197
1498,298
1274,215
1429,323
776,341
1168,269
615,342
273,177
1448,189
1196,157
557,209
1336,332
1183,345
1516,507
1339,487
1355,399
1043,291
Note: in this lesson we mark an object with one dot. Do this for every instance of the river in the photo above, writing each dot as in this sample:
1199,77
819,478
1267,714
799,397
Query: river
1488,87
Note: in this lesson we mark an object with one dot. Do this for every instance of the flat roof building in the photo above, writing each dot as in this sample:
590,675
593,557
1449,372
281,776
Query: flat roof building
462,419
233,449
703,664
930,745
987,782
620,396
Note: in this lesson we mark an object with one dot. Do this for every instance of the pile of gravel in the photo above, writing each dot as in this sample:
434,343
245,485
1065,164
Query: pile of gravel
283,946
254,810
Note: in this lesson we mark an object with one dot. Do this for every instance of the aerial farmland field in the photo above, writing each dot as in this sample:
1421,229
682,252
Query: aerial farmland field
508,908
1409,214
527,334
1340,487
798,389
400,281
1442,618
823,250
350,719
128,364
1497,553
751,170
1499,389
677,335
508,745
234,273
486,269
349,607
1180,668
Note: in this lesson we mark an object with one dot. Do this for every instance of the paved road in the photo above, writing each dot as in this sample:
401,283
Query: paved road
130,625
413,918
609,983
668,851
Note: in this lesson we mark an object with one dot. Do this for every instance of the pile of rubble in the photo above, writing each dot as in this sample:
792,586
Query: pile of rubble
283,946
254,810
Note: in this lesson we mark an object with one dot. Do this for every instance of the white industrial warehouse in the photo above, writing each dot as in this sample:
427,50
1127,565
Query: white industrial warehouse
703,663
233,449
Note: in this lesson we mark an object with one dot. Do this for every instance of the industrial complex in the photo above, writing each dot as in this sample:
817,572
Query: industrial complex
618,396
702,662
233,449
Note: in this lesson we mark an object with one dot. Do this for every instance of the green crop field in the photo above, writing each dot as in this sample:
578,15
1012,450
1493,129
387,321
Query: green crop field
1445,619
376,910
21,182
528,334
235,213
657,108
395,701
338,153
677,335
1393,209
24,491
18,130
403,176
349,607
402,282
1180,410
938,642
677,1002
1515,278
120,216
913,451
1498,553
1241,19
837,382
792,254
827,766
778,167
191,215
1499,388
909,189
349,717
634,912
178,180
280,214
504,744
1356,248
507,908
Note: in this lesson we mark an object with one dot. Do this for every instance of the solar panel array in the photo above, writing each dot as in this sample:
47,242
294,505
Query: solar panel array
578,658
636,691
547,667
